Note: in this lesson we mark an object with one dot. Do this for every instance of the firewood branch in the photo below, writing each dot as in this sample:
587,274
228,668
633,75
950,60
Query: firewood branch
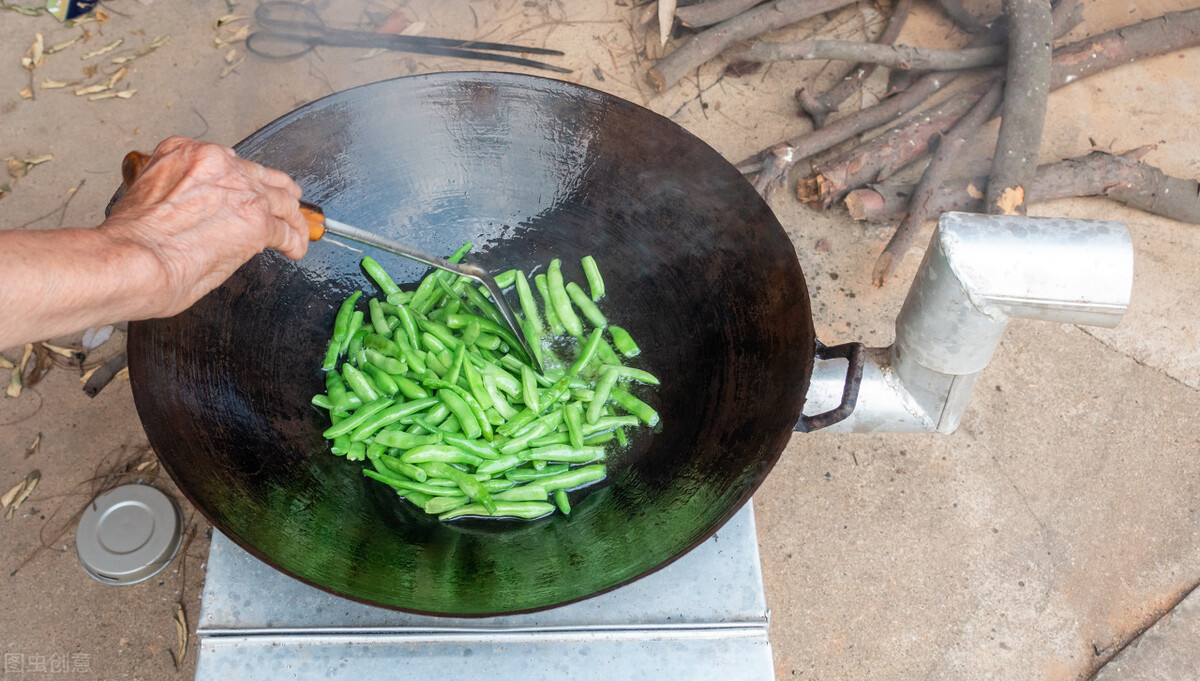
712,42
892,56
1023,115
1122,178
712,12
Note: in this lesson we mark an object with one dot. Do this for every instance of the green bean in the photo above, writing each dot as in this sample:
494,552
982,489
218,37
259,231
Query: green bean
500,465
573,415
589,352
388,416
608,381
488,341
586,306
438,505
356,319
402,440
357,451
356,342
337,391
450,426
528,510
475,383
499,403
380,276
529,390
623,341
561,301
605,352
562,502
435,366
473,405
375,450
431,343
402,483
473,446
543,286
551,439
409,388
378,321
460,321
359,383
341,324
332,354
400,297
594,280
528,306
442,332
608,423
357,419
414,357
324,402
636,407
395,465
456,366
527,474
489,310
520,442
574,478
530,492
506,278
418,499
459,408
439,454
389,364
636,374
469,485
471,334
381,379
565,454
409,321
600,438
341,445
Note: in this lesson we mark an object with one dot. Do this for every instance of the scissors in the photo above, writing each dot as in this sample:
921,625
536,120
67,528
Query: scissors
289,30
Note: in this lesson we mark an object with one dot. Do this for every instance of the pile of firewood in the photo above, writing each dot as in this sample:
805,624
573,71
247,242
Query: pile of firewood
1016,60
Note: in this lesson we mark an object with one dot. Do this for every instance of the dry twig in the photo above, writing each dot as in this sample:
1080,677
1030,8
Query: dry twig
712,12
905,57
712,42
819,107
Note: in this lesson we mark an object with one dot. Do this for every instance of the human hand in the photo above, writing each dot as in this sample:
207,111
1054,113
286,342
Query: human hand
201,212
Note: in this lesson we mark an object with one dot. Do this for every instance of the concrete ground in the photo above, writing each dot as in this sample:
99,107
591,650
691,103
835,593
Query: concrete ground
1059,521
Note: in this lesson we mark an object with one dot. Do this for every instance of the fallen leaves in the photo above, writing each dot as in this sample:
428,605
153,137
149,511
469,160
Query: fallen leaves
41,365
35,447
18,168
27,10
104,50
14,381
181,636
227,35
35,56
16,496
59,47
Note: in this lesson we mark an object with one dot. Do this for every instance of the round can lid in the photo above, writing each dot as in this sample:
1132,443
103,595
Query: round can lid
128,534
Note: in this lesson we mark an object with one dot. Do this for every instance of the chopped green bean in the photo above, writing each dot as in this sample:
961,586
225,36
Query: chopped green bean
381,277
623,341
586,306
561,501
595,282
562,301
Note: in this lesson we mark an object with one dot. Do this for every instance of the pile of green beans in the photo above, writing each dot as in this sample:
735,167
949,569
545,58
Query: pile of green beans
429,386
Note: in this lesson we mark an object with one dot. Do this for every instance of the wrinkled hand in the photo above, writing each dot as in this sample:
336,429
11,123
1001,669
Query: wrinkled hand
201,212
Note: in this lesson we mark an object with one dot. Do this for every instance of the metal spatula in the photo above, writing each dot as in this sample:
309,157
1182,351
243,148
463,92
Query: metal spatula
319,225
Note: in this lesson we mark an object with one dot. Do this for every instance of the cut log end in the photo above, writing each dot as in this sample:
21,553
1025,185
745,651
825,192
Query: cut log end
656,80
1011,201
808,190
863,202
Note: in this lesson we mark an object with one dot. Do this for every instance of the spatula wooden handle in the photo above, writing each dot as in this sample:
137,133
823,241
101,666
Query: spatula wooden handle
135,162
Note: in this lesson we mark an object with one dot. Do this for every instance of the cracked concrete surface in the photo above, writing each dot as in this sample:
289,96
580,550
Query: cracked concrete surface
1059,521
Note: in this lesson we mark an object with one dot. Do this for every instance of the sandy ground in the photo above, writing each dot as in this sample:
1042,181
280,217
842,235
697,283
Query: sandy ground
1055,524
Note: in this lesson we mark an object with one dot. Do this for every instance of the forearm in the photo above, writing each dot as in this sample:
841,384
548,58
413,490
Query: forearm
58,282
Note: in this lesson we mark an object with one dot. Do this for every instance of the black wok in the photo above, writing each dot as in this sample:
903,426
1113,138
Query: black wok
697,268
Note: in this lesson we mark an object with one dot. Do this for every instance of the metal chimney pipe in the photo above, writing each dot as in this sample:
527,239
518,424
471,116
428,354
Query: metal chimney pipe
979,273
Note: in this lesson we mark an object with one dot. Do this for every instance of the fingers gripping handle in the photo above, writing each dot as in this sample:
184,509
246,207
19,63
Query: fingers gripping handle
135,162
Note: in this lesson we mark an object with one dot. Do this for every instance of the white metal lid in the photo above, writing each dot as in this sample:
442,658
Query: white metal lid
128,534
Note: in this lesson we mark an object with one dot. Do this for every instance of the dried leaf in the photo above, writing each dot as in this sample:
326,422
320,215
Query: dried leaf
181,635
99,16
59,47
34,447
58,349
26,92
973,191
6,364
91,70
56,84
227,37
154,45
23,493
37,160
123,94
232,67
90,90
666,19
11,494
116,77
88,374
27,10
14,382
123,374
40,367
104,50
35,55
228,19
96,336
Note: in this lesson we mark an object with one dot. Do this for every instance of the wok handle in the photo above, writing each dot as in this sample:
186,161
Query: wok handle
852,353
135,161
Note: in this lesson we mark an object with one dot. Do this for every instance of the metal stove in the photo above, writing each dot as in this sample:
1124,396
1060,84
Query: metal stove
704,616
